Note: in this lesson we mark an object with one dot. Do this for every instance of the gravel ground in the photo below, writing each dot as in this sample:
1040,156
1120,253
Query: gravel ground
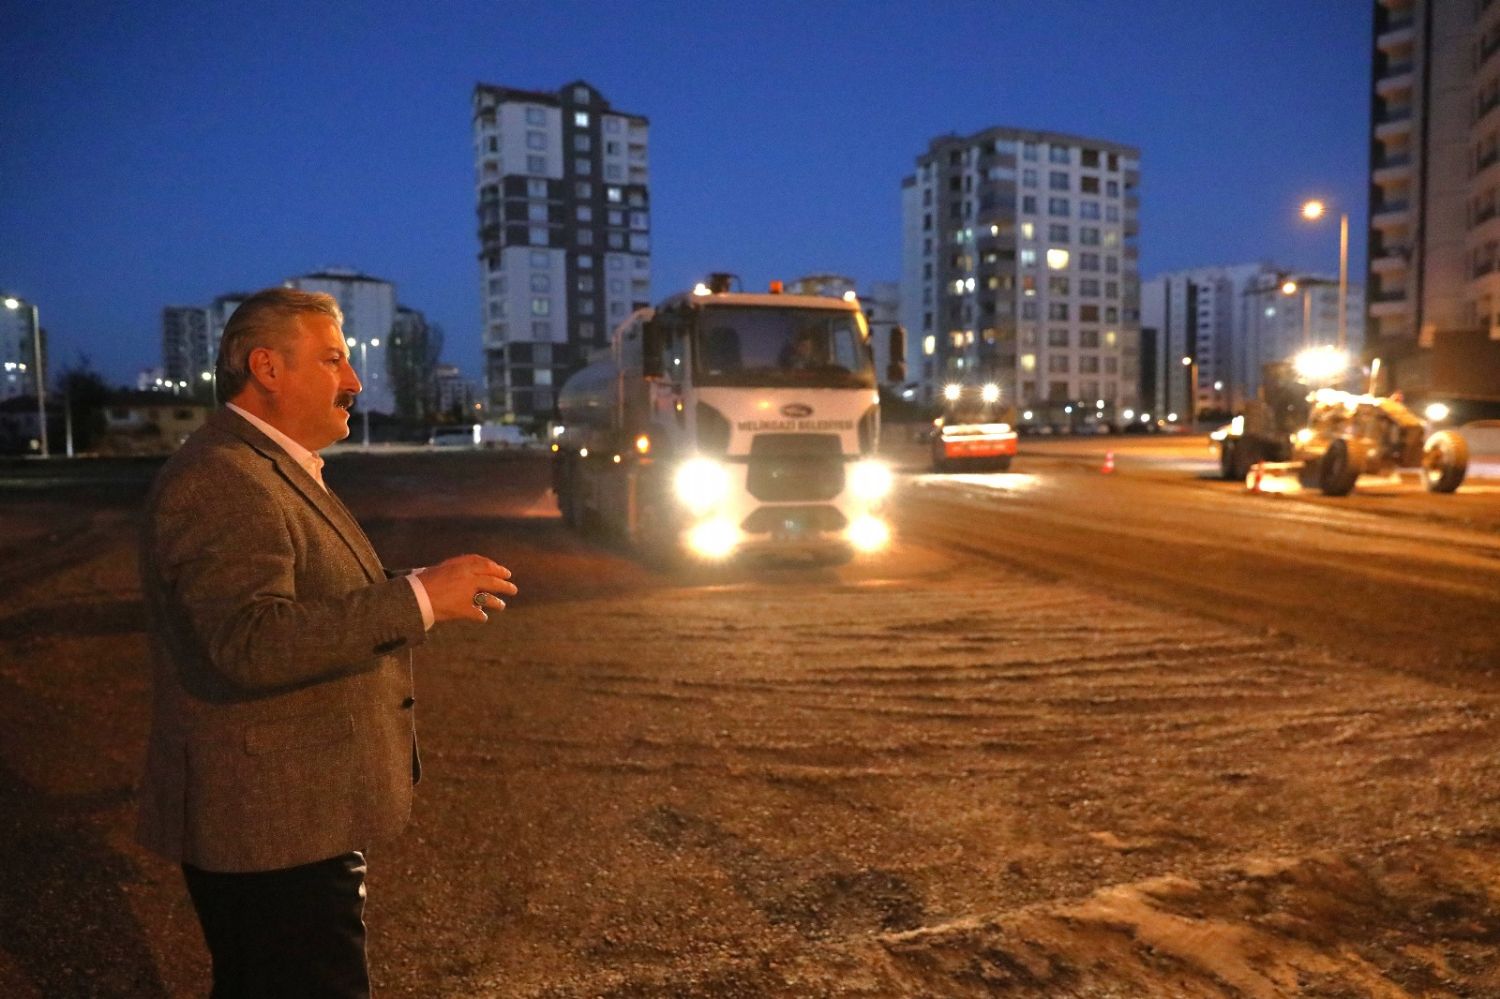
928,777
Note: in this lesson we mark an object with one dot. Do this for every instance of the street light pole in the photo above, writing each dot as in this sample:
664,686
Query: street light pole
1314,210
1191,365
364,376
1343,278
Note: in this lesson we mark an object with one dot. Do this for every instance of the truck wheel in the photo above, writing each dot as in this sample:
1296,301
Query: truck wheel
1445,462
1338,470
1228,451
1246,454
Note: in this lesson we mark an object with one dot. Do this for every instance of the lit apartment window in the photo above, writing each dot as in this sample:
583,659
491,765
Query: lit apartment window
929,344
1028,230
1057,258
612,194
1028,362
581,119
1028,258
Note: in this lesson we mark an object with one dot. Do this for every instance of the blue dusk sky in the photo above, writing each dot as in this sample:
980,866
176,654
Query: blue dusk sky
164,153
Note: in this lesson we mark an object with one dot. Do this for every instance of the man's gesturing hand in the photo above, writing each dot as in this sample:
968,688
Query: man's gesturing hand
452,585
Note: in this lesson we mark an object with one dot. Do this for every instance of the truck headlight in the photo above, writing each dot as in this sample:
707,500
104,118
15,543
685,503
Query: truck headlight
702,484
713,539
870,480
869,534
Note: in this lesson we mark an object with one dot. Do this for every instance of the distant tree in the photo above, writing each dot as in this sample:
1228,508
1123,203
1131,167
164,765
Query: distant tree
84,395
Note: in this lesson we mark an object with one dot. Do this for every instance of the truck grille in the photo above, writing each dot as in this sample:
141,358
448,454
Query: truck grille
793,521
796,467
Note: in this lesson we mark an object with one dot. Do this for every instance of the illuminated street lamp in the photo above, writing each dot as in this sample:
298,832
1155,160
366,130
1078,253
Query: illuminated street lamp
1312,211
12,303
1192,372
364,376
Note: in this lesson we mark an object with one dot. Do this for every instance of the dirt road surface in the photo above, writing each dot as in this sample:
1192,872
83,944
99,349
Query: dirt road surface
936,773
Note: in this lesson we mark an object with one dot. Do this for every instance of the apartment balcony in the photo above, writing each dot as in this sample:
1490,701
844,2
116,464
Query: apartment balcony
1389,213
1392,84
1388,304
1399,33
1392,170
1393,124
1390,260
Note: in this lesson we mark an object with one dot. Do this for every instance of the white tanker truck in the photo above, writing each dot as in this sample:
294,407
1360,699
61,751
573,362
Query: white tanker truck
722,423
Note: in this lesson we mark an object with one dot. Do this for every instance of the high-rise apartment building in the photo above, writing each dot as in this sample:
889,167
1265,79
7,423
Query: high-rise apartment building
1019,267
187,348
369,307
1434,237
562,184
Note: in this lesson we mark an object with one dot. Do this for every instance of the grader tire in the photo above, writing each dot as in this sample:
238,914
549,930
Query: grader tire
1445,462
1338,471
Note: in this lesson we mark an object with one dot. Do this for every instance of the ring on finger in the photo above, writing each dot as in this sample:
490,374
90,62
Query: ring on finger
480,598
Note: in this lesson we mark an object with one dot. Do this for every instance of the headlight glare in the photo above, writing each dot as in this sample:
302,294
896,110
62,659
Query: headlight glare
870,480
702,484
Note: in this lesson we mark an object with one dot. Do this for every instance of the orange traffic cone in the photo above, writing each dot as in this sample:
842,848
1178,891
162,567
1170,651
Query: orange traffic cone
1109,463
1256,475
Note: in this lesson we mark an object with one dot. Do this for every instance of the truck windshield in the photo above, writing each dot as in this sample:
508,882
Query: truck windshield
756,345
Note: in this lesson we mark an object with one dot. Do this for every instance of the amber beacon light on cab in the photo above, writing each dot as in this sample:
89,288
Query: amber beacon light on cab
723,423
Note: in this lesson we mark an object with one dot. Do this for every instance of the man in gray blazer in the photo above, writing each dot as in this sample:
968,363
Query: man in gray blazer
282,740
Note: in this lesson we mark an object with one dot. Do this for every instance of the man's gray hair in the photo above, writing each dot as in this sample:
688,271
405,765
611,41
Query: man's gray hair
265,319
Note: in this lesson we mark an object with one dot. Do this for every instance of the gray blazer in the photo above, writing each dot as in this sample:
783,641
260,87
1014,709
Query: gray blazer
282,724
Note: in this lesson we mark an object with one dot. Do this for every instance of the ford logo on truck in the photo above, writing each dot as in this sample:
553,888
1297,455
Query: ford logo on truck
796,411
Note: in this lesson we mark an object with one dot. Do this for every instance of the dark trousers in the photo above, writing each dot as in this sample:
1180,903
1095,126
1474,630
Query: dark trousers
293,932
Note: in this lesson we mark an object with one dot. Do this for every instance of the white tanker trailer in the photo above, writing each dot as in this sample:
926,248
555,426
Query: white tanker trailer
722,423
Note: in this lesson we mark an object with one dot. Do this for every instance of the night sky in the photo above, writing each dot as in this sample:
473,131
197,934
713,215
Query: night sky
164,153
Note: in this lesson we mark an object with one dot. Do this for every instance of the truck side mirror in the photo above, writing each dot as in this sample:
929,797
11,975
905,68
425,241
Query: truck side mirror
653,344
895,371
